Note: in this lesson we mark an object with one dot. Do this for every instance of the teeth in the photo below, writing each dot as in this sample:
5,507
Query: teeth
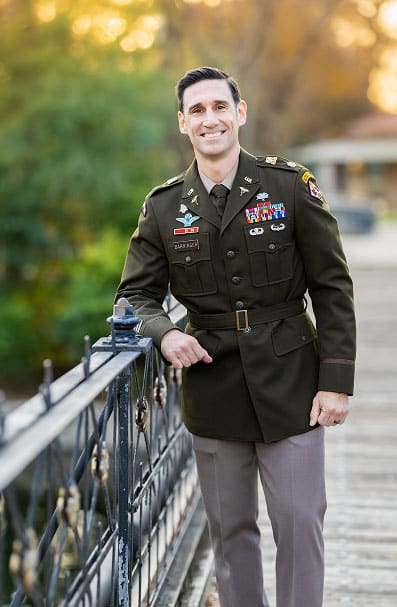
212,135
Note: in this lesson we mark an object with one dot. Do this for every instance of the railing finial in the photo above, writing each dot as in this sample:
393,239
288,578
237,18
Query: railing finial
123,322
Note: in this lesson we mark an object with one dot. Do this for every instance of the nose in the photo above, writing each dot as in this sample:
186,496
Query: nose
210,118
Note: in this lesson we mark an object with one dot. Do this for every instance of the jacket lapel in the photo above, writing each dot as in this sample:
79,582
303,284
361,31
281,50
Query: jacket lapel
195,197
245,185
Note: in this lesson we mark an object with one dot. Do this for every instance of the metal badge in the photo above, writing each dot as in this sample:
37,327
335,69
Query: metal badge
291,164
190,192
188,219
262,196
277,227
256,231
248,179
183,208
271,159
243,191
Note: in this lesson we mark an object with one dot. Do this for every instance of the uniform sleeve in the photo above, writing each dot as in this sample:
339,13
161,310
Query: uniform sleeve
145,277
329,285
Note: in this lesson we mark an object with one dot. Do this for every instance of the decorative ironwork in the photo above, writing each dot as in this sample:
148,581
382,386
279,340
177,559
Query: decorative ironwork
98,478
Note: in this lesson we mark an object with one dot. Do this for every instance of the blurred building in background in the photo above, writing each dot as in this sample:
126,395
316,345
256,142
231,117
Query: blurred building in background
361,165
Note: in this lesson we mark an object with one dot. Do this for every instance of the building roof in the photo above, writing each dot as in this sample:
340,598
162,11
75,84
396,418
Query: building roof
342,150
377,124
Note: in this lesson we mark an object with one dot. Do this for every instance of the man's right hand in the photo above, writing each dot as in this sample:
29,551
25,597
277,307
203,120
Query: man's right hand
182,350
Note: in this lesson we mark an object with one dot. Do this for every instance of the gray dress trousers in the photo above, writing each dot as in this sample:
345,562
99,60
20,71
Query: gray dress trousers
292,476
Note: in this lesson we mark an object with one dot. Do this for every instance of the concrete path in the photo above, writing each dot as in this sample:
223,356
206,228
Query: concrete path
361,455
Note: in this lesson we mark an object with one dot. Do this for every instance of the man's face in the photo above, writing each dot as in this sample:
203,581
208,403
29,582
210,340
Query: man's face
211,118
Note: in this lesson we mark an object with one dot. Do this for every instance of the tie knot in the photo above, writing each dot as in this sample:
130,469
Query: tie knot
220,191
219,194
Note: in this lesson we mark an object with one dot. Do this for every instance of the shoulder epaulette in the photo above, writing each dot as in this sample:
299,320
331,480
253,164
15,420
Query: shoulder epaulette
167,184
279,162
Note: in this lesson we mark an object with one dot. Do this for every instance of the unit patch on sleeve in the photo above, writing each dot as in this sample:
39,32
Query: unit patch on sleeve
316,192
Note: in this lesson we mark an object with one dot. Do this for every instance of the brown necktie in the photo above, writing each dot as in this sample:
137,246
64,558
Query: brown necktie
219,195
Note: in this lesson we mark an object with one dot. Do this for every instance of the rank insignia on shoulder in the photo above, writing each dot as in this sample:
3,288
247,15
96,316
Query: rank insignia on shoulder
271,159
315,192
291,164
306,176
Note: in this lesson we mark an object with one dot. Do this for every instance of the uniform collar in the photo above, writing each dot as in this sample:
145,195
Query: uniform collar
227,181
245,185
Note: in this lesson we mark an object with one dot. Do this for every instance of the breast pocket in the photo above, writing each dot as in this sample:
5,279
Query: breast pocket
270,252
191,269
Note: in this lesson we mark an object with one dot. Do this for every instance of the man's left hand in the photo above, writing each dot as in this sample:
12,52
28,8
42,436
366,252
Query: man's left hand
329,408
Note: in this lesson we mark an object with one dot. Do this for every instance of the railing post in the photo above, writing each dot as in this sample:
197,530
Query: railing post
124,337
123,478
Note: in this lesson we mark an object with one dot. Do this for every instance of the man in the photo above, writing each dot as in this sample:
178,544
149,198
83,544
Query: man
259,382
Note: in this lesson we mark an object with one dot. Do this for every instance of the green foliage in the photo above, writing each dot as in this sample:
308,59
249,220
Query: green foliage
81,142
93,281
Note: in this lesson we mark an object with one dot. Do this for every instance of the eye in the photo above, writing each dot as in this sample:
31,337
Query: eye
197,110
221,106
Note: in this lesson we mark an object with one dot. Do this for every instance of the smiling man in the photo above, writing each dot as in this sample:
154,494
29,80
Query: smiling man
240,240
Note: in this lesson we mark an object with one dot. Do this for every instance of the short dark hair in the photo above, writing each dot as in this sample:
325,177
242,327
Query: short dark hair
205,73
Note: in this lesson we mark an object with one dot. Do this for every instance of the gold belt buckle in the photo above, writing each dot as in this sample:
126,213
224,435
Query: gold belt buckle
246,325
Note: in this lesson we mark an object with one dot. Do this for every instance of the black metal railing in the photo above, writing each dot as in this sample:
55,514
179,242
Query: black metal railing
97,480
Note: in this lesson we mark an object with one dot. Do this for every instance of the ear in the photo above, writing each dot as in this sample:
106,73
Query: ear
182,123
242,112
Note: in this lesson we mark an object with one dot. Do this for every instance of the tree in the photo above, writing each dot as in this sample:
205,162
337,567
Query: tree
82,140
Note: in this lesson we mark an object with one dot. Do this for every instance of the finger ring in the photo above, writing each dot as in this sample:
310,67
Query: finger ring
336,421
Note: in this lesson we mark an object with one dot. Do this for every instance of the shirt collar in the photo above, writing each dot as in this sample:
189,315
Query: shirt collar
227,181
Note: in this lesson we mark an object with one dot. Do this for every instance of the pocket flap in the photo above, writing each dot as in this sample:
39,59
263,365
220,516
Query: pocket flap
292,333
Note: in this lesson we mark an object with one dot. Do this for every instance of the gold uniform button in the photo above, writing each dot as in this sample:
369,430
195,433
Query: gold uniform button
188,259
271,246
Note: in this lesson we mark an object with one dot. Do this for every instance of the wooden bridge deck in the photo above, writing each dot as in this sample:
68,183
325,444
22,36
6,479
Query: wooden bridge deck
361,455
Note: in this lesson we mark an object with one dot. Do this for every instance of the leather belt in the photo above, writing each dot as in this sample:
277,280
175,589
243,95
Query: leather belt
242,320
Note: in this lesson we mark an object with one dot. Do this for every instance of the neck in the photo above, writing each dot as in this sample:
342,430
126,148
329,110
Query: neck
217,168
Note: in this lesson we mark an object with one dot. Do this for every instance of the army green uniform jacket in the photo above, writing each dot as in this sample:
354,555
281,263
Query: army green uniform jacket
248,270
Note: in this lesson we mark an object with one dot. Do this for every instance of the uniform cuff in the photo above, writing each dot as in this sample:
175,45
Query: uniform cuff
336,377
156,328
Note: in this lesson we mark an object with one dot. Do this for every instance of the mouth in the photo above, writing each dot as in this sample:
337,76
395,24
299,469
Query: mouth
212,134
